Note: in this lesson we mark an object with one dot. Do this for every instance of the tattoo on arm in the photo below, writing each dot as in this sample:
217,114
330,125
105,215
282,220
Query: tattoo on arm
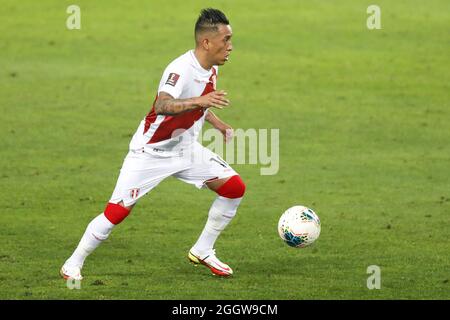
167,105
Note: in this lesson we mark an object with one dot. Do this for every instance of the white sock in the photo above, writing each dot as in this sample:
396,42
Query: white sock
96,232
220,214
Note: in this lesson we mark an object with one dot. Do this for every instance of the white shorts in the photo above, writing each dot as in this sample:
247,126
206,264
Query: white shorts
142,170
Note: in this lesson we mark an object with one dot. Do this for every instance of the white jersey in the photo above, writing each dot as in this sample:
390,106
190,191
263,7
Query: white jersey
183,78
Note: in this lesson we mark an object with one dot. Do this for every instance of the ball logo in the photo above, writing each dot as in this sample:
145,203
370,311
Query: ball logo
173,79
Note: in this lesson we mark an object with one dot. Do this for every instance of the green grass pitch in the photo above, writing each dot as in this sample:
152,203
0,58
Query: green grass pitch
364,141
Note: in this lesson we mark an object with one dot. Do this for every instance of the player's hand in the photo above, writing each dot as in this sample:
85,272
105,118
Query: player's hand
215,99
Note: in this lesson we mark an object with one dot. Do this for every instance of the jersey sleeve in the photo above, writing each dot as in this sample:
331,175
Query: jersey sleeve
174,80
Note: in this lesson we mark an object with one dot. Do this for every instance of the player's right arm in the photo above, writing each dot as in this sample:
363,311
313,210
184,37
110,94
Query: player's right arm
166,104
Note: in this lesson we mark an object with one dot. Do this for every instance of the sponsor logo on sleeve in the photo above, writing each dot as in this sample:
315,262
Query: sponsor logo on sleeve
173,79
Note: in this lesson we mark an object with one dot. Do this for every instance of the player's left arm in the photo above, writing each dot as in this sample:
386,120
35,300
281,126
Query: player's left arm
224,128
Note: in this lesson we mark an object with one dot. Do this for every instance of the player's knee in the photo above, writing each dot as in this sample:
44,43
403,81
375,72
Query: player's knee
116,213
233,188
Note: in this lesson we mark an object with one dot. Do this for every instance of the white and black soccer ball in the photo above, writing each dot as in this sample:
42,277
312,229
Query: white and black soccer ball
299,226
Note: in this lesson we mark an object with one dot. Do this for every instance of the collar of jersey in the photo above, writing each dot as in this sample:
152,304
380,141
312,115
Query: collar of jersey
203,72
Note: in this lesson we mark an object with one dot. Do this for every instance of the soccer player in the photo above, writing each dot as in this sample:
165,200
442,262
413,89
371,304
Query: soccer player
165,144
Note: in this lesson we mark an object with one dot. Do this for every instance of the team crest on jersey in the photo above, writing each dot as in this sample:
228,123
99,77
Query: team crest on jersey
134,193
173,79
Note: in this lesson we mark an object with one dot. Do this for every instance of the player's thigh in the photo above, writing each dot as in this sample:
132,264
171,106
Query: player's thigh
207,166
139,174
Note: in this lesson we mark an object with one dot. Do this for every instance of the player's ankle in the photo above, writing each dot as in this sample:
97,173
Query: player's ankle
73,263
201,252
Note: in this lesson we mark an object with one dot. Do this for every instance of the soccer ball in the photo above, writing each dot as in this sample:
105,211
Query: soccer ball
299,226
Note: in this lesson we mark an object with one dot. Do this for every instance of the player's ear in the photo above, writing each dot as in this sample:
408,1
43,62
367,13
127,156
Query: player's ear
205,43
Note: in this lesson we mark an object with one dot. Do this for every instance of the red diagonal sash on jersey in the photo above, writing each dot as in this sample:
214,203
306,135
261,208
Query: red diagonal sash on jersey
172,123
